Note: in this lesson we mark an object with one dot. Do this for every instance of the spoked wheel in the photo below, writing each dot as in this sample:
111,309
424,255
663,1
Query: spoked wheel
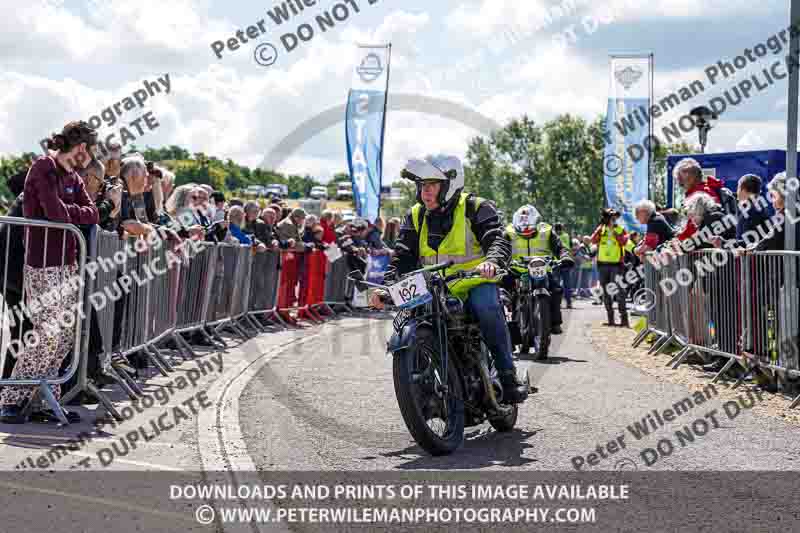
525,327
434,419
540,313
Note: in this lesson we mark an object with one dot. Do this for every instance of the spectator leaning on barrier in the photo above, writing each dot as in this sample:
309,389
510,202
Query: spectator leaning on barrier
354,254
328,226
776,239
236,219
289,229
610,239
308,228
53,192
265,229
707,216
658,231
180,206
218,198
689,175
752,223
251,212
318,232
368,236
391,232
113,160
107,196
133,216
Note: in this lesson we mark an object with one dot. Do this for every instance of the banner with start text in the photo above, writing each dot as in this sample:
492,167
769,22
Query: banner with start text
364,126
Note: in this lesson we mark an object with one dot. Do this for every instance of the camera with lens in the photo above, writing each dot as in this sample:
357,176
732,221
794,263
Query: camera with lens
607,216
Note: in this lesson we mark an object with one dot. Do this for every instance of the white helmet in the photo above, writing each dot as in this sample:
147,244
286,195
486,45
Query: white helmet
444,168
526,220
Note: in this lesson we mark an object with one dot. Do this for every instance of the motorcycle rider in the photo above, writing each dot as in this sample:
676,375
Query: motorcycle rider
448,224
531,237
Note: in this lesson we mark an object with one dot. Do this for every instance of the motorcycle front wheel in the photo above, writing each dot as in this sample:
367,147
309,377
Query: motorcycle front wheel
540,314
435,424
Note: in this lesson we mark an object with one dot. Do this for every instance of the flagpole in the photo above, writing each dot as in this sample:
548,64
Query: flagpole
383,125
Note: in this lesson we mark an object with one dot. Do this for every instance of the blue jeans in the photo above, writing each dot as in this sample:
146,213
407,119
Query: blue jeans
483,302
566,283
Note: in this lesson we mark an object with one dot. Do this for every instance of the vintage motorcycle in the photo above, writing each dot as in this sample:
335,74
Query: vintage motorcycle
529,303
444,375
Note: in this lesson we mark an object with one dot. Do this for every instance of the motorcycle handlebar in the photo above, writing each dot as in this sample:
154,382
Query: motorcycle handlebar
465,274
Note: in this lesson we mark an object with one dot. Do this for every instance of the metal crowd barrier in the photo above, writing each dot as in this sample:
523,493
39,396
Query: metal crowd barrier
41,233
136,297
728,304
706,305
338,288
658,316
770,328
264,282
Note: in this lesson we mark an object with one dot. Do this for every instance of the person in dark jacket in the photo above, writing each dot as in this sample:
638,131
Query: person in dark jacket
709,219
752,222
467,230
776,239
55,192
658,232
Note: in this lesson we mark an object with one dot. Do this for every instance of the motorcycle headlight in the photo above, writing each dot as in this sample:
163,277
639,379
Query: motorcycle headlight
537,268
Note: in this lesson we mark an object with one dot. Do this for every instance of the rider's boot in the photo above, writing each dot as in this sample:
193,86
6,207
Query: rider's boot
556,330
624,321
610,317
514,390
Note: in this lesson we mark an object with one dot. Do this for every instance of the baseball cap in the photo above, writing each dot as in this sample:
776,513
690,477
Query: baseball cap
298,212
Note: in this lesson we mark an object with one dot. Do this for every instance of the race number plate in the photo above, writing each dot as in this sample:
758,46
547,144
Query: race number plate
411,292
537,272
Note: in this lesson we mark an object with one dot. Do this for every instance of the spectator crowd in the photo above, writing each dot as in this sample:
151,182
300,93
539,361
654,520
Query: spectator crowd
133,198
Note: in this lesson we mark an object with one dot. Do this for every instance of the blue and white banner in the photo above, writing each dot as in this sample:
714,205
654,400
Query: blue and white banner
626,161
376,268
364,127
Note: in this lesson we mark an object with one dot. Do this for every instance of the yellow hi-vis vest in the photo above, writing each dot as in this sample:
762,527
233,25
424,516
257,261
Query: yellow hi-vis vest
460,246
565,240
538,246
629,246
609,250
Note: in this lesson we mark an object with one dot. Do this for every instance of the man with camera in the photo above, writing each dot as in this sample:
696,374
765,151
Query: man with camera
610,239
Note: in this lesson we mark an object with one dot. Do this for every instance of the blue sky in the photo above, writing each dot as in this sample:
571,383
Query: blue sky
68,59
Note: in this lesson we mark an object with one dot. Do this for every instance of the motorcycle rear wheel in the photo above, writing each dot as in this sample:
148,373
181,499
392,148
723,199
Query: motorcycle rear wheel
540,313
414,381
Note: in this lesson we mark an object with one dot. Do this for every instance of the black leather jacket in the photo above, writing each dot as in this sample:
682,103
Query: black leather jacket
485,224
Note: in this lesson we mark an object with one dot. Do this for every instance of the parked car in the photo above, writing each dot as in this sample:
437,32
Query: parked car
277,189
318,193
344,192
256,190
347,215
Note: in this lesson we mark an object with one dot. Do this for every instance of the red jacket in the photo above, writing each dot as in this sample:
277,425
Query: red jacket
52,193
329,234
711,187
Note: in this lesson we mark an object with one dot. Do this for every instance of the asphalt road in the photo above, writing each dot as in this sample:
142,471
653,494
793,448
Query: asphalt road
329,404
321,400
